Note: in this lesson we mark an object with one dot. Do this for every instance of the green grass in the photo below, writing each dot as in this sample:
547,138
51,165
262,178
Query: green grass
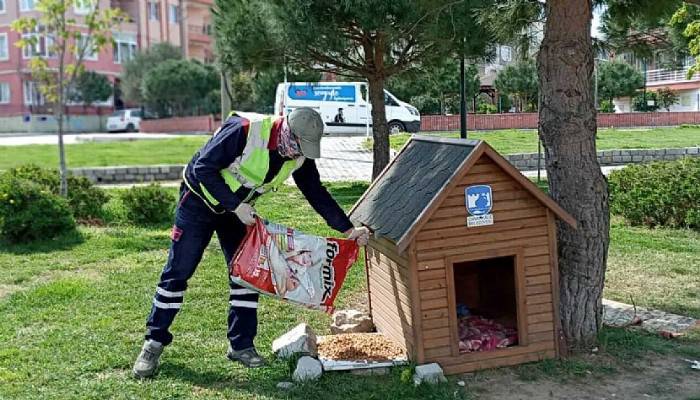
74,323
657,268
98,154
525,141
180,150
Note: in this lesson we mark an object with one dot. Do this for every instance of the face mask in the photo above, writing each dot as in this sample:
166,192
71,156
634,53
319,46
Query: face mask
288,145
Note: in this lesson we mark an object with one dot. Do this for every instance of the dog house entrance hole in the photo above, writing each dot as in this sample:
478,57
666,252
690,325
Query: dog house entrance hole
486,304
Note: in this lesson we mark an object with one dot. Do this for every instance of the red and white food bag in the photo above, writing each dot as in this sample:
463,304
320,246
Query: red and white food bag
282,262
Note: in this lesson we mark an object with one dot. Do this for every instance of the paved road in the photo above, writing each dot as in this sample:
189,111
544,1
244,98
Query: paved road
18,140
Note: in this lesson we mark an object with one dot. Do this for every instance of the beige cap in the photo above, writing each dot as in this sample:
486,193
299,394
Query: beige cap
307,125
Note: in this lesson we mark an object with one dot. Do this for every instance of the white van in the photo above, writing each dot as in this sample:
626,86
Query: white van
344,106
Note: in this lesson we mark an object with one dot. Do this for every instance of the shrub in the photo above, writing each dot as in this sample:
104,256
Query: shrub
84,198
486,108
662,193
607,106
29,211
146,205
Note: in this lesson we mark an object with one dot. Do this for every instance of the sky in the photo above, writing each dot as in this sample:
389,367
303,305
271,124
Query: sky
595,28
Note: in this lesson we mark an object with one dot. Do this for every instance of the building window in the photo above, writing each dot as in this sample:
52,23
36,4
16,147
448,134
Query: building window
173,14
2,7
83,7
4,93
154,11
89,50
26,5
506,54
42,46
32,95
4,52
123,51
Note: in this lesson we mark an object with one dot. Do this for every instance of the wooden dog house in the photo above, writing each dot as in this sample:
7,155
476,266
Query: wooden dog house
457,227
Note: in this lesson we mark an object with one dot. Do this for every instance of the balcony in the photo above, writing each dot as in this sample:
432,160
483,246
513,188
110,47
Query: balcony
657,77
199,33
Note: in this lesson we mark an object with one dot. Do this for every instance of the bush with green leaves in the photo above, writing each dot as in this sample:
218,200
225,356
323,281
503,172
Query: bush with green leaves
147,205
84,198
658,194
607,106
29,211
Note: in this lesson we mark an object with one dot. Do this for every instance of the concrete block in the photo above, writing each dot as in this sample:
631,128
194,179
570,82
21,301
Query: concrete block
626,159
637,158
625,153
351,321
129,177
429,373
308,369
692,150
300,340
285,385
370,371
143,170
164,168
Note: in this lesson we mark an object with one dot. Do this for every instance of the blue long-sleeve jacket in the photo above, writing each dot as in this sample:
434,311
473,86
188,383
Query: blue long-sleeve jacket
225,146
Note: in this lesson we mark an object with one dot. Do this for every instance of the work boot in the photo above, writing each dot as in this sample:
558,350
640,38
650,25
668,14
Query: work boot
148,360
248,357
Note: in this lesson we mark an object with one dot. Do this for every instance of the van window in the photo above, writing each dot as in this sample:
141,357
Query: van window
389,101
363,92
119,113
136,114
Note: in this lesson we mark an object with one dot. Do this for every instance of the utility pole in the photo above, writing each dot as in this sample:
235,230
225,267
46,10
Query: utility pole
462,102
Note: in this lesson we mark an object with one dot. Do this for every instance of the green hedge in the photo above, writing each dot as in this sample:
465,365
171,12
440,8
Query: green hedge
147,205
658,194
29,211
84,199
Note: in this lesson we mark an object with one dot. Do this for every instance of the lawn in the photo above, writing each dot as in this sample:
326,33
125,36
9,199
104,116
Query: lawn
179,150
525,141
98,154
73,311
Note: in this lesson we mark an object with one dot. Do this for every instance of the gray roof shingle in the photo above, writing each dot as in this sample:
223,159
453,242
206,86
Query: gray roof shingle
418,174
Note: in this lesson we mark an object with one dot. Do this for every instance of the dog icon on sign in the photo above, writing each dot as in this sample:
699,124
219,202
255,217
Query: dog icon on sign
479,200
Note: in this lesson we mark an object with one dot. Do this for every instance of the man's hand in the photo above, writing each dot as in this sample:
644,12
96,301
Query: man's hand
246,213
360,235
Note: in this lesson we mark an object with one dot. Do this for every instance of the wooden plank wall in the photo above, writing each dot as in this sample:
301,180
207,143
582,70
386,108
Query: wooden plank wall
520,221
390,292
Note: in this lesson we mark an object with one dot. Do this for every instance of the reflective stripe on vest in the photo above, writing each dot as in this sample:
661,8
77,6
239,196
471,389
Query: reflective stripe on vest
250,168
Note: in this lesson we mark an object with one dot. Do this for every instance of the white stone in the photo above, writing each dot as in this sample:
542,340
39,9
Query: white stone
300,340
285,385
308,369
351,321
429,373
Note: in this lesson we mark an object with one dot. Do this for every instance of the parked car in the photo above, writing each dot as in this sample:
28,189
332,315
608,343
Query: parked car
127,120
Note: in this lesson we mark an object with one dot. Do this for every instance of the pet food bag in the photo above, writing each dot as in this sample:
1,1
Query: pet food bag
282,262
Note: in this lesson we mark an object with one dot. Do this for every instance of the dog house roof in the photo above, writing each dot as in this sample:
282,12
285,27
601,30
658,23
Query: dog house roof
408,189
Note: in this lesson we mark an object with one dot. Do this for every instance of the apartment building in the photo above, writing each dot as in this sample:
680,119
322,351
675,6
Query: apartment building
22,107
662,71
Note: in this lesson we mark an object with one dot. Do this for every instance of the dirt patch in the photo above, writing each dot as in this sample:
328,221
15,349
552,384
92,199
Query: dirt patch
658,378
89,274
6,290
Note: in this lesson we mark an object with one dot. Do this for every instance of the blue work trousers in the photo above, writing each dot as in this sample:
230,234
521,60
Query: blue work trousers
194,226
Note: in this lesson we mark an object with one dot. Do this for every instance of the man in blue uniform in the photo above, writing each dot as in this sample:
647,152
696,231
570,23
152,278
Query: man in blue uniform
248,156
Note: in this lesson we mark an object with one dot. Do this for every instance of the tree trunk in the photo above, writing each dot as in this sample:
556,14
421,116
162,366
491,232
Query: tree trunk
380,128
568,133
